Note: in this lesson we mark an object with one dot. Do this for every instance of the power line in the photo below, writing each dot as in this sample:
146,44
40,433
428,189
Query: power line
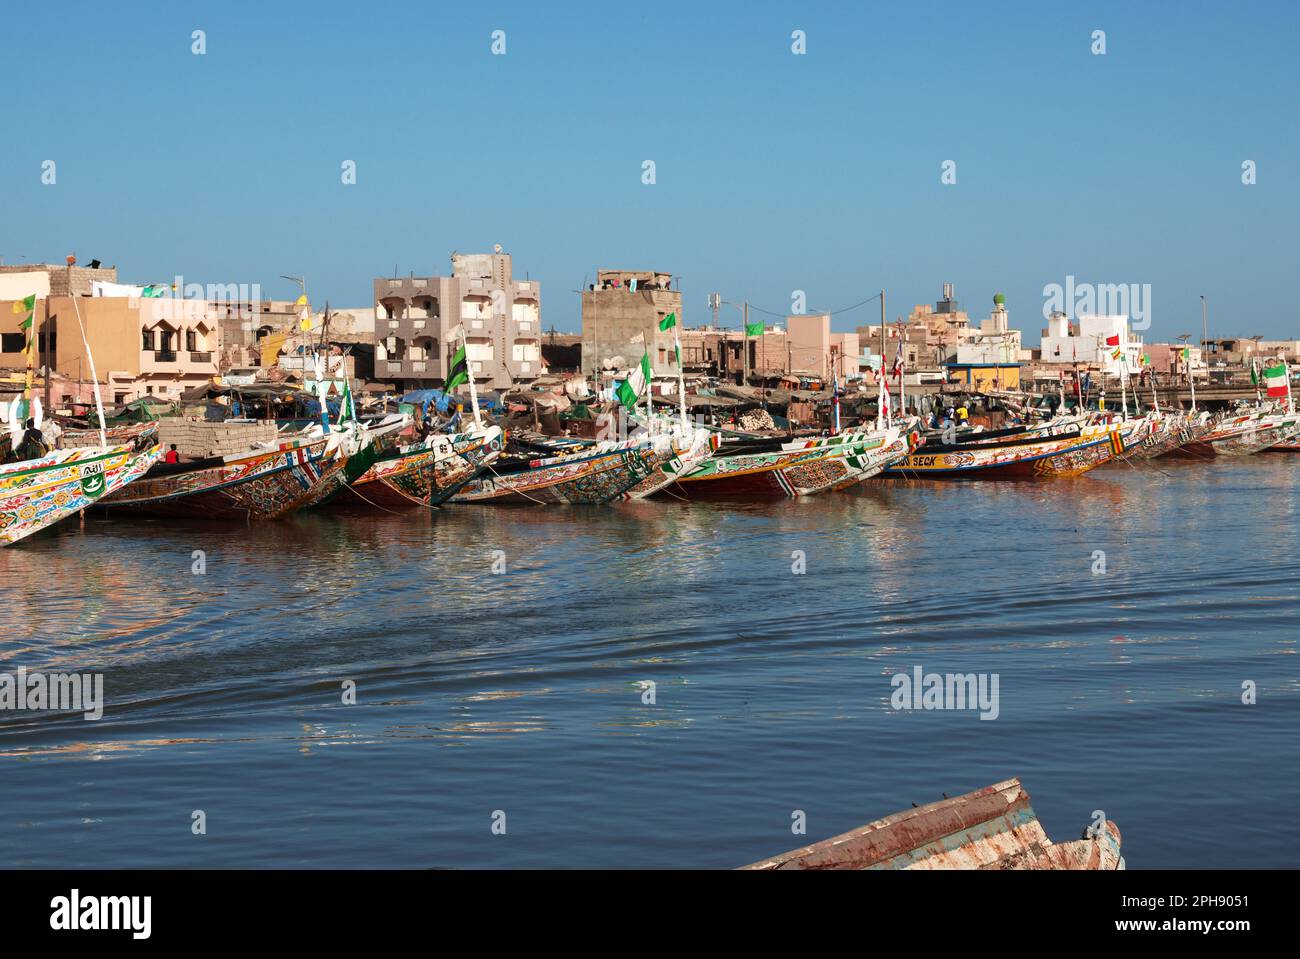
818,312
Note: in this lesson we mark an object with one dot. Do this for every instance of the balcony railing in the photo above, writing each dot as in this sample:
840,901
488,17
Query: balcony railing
164,356
197,356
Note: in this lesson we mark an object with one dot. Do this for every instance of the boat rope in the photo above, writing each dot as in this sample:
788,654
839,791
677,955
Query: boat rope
371,502
492,470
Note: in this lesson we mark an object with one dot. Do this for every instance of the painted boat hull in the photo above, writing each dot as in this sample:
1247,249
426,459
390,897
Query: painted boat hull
688,453
38,493
779,474
262,485
990,828
1242,436
425,476
588,479
1048,458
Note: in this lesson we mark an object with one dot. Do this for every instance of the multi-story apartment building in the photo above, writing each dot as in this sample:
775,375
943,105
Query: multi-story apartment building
501,317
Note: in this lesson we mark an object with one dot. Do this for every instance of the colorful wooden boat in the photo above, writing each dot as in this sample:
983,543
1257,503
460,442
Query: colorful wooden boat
867,464
1242,435
991,828
593,476
691,447
1031,457
1167,431
772,468
363,444
425,473
259,484
37,493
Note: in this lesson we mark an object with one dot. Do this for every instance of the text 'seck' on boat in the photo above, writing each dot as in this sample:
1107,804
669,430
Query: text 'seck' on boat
990,828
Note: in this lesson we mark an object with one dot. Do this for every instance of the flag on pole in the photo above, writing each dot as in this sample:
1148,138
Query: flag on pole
754,329
1112,340
629,391
347,410
458,372
1275,377
897,370
668,322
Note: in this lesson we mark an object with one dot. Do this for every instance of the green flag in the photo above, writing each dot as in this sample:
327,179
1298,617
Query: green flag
459,371
668,322
345,403
629,391
754,329
1253,378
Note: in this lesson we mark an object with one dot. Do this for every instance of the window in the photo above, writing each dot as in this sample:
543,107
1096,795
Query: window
146,339
191,341
12,342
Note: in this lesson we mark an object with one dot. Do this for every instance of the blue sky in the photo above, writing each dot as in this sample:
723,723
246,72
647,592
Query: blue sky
775,172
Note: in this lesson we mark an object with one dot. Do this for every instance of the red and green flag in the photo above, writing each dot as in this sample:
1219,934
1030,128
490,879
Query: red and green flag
1275,377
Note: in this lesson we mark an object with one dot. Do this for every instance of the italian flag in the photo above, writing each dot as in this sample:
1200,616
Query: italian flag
1275,377
629,391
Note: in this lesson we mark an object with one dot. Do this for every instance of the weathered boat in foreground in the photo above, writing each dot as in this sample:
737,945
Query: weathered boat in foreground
38,493
990,828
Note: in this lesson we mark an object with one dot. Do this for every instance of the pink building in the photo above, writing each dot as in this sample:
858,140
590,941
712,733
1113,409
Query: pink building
814,349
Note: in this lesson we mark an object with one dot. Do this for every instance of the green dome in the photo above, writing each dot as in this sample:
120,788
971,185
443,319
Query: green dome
999,299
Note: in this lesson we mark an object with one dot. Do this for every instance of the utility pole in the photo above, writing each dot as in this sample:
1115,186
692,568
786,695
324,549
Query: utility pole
1205,339
744,343
49,346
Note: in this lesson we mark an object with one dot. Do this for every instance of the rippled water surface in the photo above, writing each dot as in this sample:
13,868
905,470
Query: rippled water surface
522,692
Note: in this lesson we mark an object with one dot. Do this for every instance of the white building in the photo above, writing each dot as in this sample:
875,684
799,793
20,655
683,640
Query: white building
1086,342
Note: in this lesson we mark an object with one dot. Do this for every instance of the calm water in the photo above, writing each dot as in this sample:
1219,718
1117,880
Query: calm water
519,692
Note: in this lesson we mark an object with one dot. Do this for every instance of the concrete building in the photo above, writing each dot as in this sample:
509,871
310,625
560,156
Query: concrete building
141,347
1167,358
63,278
618,307
1084,342
501,317
815,350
